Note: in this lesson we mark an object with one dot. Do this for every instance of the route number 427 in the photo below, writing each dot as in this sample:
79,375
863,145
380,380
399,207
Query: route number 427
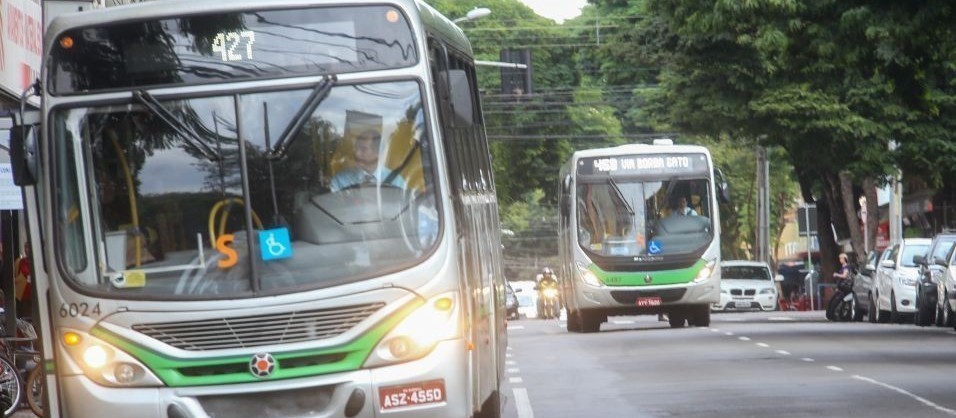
230,45
73,310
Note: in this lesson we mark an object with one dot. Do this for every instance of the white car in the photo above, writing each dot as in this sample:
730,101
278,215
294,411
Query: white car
896,277
746,286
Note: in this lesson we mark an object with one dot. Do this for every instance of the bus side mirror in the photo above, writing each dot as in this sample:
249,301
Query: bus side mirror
723,189
919,259
23,146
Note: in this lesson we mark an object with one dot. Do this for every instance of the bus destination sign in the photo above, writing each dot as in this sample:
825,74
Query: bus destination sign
643,165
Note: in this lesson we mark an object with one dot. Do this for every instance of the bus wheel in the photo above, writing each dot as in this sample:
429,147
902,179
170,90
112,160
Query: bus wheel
676,319
574,321
700,316
591,321
491,408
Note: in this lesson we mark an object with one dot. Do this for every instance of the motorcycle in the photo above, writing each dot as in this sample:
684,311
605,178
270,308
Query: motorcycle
842,306
548,306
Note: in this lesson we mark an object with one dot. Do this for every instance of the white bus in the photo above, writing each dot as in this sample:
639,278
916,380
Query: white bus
263,209
639,234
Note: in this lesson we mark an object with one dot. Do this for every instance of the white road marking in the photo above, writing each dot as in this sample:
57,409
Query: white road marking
783,352
743,338
515,327
780,318
514,380
510,362
508,354
733,319
523,403
509,348
728,333
922,400
834,368
622,322
808,359
714,330
513,370
764,345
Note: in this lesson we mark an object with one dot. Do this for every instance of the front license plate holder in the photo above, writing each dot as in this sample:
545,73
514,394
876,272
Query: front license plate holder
646,301
412,394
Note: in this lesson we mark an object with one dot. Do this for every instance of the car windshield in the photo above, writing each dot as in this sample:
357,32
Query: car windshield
911,251
744,273
203,214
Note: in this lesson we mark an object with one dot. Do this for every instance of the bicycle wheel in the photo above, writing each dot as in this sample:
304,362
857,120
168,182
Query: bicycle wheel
10,387
34,386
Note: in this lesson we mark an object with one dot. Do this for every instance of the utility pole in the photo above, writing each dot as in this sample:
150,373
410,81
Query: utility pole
896,204
763,206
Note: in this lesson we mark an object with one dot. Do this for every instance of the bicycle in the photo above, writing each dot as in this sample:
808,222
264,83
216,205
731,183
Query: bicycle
19,364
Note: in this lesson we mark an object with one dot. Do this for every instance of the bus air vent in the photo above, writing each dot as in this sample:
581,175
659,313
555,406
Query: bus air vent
259,330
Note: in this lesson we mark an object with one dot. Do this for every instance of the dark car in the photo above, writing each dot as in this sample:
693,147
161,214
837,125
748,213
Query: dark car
863,285
511,302
931,267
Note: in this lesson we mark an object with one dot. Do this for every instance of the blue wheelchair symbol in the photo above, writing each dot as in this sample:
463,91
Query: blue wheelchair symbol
654,247
274,244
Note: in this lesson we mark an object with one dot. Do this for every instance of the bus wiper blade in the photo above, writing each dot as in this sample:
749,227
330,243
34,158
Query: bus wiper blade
183,130
319,94
620,195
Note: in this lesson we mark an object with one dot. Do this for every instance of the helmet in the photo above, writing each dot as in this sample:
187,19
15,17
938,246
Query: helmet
546,270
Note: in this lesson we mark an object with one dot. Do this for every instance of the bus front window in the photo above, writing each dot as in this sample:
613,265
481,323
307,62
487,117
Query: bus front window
181,207
628,218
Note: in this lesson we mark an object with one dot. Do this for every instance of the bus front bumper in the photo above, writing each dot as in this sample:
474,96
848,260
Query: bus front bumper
362,393
642,299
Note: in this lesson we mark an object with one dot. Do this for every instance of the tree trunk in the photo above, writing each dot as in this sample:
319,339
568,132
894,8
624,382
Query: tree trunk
873,212
849,209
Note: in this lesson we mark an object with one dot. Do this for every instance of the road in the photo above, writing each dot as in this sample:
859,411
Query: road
779,364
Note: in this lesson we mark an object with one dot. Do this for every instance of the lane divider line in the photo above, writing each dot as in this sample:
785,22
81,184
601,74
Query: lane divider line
808,359
918,398
834,368
523,403
743,338
515,380
728,333
764,345
783,352
513,370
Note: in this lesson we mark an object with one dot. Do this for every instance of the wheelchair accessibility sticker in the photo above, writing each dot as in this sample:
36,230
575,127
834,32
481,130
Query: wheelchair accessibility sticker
654,247
274,244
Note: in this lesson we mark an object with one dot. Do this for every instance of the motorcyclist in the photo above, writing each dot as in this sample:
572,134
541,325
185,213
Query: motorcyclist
547,283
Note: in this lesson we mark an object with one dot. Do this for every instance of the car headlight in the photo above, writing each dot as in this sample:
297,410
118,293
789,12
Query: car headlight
105,364
418,334
588,276
724,291
767,291
705,272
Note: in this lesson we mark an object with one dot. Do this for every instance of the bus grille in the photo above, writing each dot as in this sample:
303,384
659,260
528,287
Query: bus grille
259,330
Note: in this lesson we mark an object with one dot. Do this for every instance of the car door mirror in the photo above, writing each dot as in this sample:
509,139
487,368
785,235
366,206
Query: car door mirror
890,264
778,278
940,261
919,259
518,290
869,268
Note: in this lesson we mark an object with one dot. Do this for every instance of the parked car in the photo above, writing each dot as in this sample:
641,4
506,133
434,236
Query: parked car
511,302
746,286
932,265
946,292
863,285
896,279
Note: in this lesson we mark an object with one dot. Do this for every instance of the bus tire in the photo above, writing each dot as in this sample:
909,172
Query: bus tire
676,319
491,407
591,321
574,321
700,316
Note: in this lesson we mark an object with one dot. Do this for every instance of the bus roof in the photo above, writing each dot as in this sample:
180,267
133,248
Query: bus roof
429,17
640,149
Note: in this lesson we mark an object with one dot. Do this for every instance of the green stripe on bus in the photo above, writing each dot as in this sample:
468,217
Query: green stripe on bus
639,278
344,358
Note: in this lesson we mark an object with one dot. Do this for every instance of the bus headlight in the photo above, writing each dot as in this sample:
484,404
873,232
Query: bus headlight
105,364
416,335
705,272
588,276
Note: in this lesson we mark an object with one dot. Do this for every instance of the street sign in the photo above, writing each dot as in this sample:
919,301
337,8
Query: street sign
802,219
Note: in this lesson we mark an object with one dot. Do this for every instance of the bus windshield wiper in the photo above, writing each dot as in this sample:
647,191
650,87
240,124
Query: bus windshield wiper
620,195
183,130
319,93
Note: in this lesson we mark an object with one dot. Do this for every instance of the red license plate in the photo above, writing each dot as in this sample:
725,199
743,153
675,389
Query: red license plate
421,393
649,301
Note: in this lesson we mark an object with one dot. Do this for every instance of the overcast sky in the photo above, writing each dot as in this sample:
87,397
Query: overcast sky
559,10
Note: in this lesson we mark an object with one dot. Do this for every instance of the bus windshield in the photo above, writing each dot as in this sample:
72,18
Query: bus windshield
181,207
626,217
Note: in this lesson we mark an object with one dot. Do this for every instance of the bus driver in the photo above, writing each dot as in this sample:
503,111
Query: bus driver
367,169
